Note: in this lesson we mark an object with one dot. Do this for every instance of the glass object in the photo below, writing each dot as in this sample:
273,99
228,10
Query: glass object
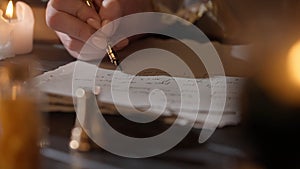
20,121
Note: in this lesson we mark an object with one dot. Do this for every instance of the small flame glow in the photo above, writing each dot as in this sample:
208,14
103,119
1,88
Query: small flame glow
294,63
9,10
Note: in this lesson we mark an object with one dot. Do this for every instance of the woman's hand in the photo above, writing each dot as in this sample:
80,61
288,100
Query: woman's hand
75,22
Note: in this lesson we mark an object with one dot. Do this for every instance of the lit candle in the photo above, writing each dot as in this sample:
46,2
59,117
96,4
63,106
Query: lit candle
6,49
9,10
22,27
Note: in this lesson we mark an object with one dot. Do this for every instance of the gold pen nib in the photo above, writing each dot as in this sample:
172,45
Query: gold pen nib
112,54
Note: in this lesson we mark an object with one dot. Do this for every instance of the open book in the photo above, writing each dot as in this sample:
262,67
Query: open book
149,93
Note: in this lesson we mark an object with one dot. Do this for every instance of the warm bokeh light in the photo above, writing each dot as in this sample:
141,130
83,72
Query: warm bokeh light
74,144
9,10
294,63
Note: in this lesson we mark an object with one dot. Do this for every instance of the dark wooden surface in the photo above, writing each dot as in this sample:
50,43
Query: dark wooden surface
222,151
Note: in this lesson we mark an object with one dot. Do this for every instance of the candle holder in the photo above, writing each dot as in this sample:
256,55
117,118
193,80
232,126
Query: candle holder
6,48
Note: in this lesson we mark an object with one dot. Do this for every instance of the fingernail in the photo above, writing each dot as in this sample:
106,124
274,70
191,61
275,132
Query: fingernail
94,23
99,42
108,27
105,3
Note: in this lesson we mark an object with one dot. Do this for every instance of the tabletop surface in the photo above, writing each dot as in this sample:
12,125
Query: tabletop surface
222,151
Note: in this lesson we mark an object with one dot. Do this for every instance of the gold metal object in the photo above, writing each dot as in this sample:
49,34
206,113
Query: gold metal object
90,3
79,138
112,54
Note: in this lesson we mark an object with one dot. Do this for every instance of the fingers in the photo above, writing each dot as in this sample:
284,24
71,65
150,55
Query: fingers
71,44
75,8
95,24
78,49
98,4
110,10
70,25
71,16
76,22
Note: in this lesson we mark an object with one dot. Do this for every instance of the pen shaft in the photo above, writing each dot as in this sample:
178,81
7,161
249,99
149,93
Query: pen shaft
91,4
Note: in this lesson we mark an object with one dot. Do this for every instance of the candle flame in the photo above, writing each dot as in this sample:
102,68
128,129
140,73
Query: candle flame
9,10
294,63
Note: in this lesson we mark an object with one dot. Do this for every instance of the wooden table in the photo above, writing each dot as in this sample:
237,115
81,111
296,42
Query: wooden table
222,151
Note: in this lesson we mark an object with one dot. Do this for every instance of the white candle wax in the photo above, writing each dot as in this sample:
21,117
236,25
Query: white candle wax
23,29
5,38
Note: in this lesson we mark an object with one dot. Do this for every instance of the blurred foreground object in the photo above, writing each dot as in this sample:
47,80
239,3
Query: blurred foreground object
20,122
271,106
272,101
